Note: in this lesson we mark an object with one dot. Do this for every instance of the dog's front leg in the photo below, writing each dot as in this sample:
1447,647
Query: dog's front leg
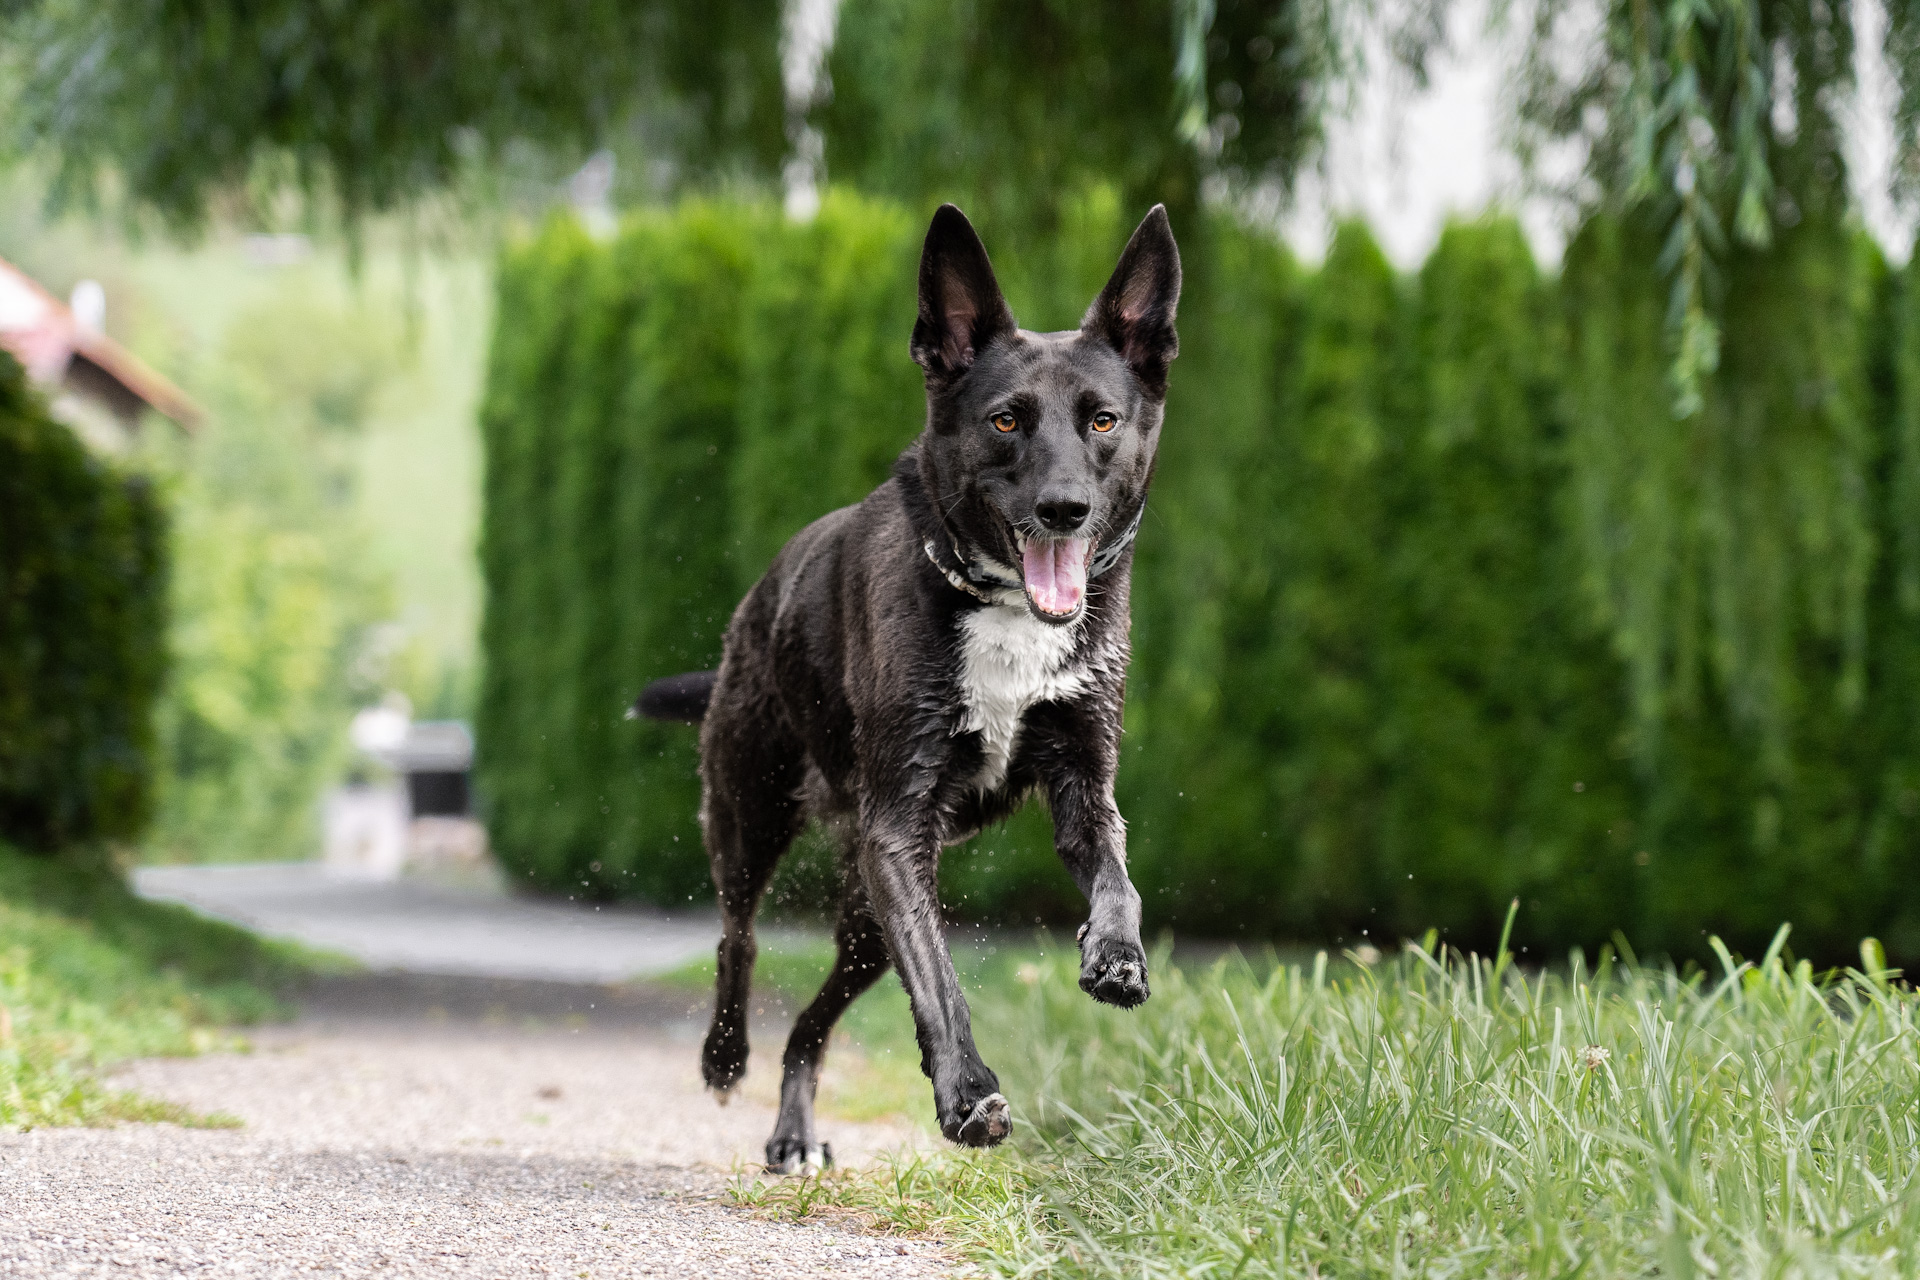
899,856
1077,751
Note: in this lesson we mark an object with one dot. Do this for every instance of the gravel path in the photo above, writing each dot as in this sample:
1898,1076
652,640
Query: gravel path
437,1127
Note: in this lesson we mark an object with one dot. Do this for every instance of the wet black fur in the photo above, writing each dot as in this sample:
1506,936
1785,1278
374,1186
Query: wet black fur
839,697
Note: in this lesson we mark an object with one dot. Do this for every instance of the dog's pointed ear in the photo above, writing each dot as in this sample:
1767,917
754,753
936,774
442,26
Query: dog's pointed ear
1134,313
961,309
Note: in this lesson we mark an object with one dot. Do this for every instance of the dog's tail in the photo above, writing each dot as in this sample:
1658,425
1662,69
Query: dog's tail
679,698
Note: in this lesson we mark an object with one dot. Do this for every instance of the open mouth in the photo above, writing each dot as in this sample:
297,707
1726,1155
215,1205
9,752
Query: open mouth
1055,571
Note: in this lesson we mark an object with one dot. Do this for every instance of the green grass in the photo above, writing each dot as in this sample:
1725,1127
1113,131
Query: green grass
1432,1115
91,975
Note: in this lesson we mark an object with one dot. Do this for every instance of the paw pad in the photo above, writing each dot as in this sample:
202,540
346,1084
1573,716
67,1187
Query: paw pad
988,1124
1115,981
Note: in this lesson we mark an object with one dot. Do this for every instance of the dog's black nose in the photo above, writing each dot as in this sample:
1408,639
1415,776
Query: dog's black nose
1061,515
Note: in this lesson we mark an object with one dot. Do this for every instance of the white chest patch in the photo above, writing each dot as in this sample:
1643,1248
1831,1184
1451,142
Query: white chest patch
1010,660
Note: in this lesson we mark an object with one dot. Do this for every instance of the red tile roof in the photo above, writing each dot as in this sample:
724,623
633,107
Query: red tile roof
41,333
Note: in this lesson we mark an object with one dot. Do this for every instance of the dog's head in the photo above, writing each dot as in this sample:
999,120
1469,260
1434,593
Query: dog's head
1039,446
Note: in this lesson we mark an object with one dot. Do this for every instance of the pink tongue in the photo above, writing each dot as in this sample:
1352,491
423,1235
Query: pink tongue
1056,574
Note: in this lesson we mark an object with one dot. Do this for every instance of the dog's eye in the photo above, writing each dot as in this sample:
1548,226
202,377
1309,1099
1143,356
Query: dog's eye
1104,421
1004,422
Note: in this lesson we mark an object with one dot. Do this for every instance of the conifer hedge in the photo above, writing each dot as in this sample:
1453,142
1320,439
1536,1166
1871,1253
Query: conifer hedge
1426,616
82,633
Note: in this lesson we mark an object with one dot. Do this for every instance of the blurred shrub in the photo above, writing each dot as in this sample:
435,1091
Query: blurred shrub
277,612
82,620
1385,670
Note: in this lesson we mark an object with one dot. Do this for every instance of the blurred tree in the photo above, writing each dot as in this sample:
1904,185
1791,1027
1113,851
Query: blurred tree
1720,116
1013,106
83,579
277,637
374,105
1016,107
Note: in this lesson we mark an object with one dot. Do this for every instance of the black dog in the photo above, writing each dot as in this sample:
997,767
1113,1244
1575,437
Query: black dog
910,669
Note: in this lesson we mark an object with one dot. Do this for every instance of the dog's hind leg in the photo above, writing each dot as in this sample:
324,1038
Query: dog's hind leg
752,812
857,964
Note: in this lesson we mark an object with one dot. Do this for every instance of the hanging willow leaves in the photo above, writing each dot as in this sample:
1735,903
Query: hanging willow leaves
1720,452
1725,547
1714,118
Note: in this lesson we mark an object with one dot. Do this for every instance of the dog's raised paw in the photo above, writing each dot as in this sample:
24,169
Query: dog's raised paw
988,1124
1115,975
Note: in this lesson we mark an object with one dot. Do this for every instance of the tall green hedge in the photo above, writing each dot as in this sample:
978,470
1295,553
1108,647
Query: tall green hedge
82,634
1426,617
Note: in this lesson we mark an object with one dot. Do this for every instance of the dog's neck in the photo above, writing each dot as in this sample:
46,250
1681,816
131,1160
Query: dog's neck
966,567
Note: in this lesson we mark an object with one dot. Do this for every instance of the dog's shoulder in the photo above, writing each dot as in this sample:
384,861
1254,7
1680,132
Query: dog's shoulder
816,562
841,585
